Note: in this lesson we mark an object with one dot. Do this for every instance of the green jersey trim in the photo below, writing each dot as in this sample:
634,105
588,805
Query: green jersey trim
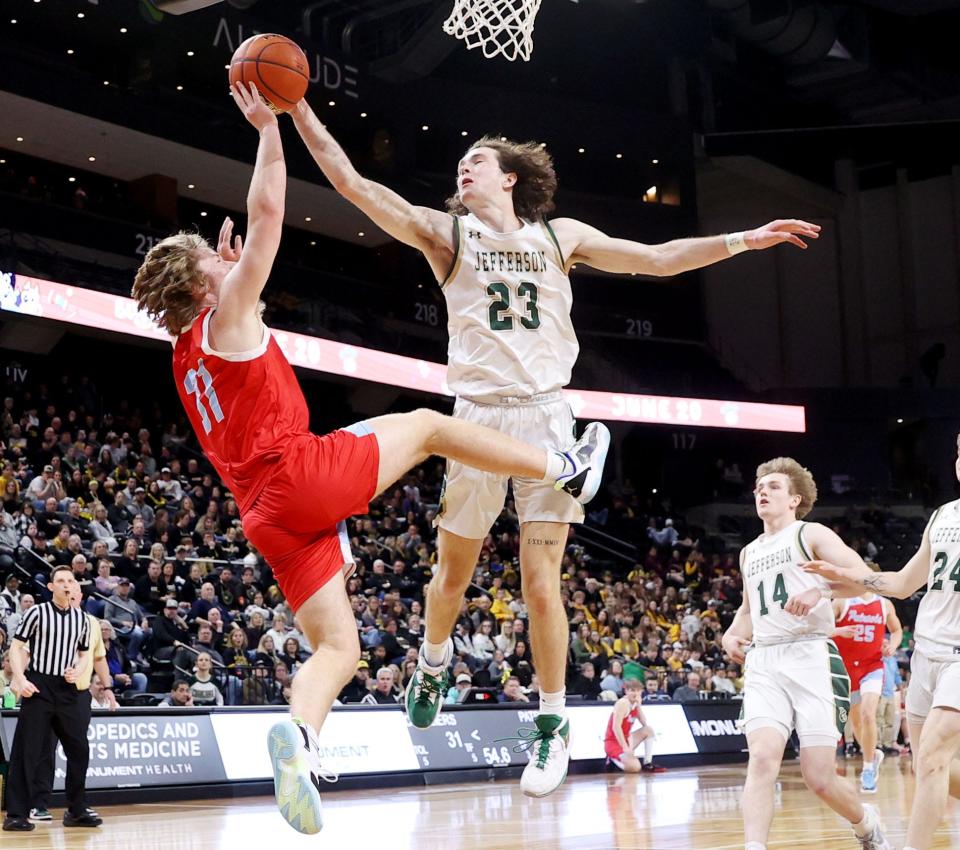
556,242
800,545
457,253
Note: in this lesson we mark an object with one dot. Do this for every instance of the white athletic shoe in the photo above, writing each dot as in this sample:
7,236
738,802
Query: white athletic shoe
297,774
586,458
875,839
548,747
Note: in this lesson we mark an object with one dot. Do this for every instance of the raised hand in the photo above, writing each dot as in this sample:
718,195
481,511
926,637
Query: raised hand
848,632
831,572
228,249
783,230
252,105
803,603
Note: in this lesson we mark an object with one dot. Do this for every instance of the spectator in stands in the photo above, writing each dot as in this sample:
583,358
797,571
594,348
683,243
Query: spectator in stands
236,653
512,691
721,685
357,688
586,684
98,694
384,692
279,629
105,582
689,692
292,655
256,628
626,646
45,486
266,651
179,696
127,618
121,670
652,691
461,687
613,679
483,645
169,630
151,590
119,515
208,599
140,508
203,689
205,641
26,601
169,486
520,656
505,641
498,668
666,537
218,628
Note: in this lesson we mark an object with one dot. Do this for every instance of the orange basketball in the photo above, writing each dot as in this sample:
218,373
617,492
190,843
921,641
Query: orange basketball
276,65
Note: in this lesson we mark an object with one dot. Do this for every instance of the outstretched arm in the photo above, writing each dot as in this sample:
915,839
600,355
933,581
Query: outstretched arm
901,584
241,288
582,243
428,230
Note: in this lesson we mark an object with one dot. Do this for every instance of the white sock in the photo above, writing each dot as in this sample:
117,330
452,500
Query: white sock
867,825
648,749
553,703
867,764
432,653
557,465
754,845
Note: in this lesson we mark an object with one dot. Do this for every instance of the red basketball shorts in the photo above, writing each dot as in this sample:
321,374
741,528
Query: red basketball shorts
861,670
297,520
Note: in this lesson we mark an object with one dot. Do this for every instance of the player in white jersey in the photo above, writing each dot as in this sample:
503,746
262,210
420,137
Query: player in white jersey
933,695
793,675
504,271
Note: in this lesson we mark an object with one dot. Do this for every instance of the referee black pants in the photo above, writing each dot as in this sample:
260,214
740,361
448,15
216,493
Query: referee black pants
58,707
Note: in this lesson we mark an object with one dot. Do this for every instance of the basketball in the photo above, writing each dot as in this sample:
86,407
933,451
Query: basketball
276,65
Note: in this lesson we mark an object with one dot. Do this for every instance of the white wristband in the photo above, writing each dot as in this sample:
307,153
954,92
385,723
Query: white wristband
736,244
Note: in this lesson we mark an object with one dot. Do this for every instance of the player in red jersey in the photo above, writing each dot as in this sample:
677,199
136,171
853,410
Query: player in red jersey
861,625
627,729
293,488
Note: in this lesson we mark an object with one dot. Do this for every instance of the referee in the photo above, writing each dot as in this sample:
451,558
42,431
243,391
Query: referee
57,637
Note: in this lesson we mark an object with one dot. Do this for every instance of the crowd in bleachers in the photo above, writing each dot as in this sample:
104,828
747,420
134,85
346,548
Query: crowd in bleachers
158,547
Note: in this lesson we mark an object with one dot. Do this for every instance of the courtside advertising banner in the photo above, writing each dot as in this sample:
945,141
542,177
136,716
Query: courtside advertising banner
588,728
715,726
133,751
350,742
45,299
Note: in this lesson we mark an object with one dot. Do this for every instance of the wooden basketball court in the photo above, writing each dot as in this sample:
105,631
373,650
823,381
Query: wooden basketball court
684,809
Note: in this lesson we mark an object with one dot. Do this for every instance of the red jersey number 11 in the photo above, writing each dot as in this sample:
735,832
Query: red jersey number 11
191,383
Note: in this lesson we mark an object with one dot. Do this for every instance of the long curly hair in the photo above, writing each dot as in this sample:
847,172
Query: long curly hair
536,180
168,285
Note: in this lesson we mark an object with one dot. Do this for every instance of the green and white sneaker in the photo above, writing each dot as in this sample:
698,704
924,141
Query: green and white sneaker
426,690
548,748
297,774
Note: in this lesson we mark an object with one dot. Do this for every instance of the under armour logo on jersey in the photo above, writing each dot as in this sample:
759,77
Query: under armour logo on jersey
474,234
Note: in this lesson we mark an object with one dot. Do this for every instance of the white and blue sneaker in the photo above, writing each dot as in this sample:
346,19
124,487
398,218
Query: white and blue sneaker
868,779
585,459
875,839
297,774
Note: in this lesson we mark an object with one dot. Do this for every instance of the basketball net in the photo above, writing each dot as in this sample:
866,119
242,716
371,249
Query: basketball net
497,27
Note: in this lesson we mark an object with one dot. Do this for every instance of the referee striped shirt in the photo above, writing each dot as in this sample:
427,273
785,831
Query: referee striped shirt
54,636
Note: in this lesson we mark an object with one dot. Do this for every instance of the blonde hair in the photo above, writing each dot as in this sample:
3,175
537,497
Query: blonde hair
168,285
801,481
